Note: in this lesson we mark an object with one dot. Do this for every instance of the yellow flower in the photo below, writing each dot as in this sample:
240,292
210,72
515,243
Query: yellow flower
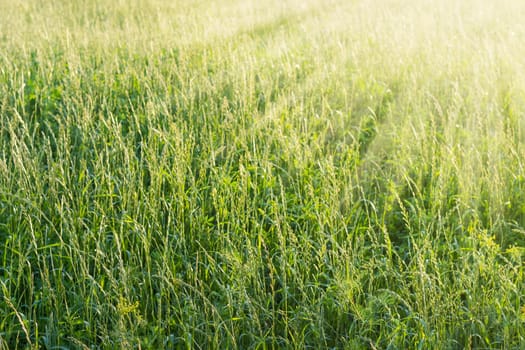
125,307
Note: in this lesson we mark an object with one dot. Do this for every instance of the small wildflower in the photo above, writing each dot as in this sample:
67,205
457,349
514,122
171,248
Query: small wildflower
125,307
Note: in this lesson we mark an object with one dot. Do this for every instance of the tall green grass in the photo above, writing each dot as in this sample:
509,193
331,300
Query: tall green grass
242,174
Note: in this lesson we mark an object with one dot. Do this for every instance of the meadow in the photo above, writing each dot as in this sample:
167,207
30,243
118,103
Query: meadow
241,174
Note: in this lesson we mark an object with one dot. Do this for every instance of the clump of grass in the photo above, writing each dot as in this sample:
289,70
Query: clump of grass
294,175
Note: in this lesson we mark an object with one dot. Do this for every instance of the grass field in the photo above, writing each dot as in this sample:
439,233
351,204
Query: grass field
299,174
